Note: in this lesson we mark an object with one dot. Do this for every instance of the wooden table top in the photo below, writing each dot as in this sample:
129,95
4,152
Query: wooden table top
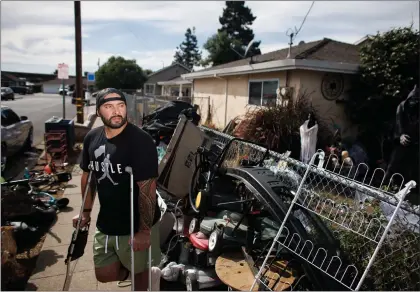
234,271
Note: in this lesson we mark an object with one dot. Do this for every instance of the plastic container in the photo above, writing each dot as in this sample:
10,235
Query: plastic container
60,124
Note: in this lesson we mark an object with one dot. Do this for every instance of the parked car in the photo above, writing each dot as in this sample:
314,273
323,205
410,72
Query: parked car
19,89
16,134
66,90
7,93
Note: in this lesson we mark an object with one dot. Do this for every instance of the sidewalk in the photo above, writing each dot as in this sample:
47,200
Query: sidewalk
50,270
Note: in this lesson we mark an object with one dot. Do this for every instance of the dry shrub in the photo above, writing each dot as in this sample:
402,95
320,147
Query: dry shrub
210,125
277,126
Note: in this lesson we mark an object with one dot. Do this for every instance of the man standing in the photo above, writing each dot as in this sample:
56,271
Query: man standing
107,150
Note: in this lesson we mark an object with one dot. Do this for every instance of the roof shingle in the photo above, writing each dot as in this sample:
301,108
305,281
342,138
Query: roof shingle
325,49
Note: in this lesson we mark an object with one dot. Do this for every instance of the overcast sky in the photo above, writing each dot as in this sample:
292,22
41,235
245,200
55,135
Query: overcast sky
36,36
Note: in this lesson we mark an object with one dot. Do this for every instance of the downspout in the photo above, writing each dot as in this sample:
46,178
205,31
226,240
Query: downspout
226,97
192,92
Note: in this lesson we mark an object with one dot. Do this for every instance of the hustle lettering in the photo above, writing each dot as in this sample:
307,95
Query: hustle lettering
105,167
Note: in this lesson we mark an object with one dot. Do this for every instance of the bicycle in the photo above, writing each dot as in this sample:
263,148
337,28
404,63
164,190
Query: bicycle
45,197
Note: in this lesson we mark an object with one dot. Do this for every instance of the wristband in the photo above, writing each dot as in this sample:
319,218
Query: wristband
87,210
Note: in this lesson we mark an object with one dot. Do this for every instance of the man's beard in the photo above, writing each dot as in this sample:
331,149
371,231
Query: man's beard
111,125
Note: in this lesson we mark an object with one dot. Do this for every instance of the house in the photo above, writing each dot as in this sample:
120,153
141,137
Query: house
33,80
322,68
53,86
167,81
8,79
365,40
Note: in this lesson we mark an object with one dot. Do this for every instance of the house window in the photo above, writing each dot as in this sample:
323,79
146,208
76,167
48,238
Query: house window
149,88
263,92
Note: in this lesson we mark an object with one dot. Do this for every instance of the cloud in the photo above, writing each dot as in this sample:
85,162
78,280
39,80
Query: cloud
42,37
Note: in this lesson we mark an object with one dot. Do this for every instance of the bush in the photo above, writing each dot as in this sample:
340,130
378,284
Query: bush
277,126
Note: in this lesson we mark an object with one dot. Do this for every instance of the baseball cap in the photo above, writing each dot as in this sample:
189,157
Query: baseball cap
100,97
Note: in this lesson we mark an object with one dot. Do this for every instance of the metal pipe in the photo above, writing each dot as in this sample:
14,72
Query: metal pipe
79,78
226,96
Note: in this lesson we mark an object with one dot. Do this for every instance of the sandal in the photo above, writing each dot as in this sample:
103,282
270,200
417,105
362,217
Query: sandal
126,282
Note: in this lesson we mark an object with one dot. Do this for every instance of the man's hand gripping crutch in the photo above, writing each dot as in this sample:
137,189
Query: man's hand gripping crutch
79,237
153,272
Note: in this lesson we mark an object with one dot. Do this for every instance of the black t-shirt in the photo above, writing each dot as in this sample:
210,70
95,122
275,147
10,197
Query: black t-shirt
108,159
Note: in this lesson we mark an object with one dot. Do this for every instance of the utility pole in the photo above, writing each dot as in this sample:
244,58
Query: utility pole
79,77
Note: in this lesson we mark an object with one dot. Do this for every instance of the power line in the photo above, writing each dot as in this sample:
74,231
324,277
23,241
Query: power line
293,35
304,19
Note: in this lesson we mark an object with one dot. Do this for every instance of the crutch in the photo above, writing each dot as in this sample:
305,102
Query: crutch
130,171
78,240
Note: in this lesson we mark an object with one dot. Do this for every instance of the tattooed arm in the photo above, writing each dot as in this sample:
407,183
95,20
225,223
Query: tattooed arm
147,203
144,161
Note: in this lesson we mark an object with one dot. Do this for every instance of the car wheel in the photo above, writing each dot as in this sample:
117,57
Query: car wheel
29,140
13,97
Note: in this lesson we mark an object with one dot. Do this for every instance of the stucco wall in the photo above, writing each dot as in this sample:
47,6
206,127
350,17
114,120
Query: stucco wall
214,89
331,111
237,90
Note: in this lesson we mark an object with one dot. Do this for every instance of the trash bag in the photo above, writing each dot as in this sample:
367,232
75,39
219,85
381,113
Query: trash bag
168,112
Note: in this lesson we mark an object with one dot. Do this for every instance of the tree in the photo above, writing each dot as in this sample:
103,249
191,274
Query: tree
390,62
234,33
148,72
55,72
187,52
389,68
120,73
219,48
236,20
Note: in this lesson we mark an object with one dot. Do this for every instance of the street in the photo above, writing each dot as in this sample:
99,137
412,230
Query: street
38,108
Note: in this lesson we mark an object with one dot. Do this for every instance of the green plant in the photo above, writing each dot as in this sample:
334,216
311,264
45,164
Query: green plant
396,265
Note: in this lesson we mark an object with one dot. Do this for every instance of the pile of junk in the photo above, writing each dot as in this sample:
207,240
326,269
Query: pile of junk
29,208
219,221
161,123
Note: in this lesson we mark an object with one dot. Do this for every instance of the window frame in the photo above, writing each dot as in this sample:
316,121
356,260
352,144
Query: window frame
261,80
5,118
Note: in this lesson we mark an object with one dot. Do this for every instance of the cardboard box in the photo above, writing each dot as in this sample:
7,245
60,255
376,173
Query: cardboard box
178,164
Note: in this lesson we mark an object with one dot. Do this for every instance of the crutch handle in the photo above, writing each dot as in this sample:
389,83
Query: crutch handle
129,170
150,267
